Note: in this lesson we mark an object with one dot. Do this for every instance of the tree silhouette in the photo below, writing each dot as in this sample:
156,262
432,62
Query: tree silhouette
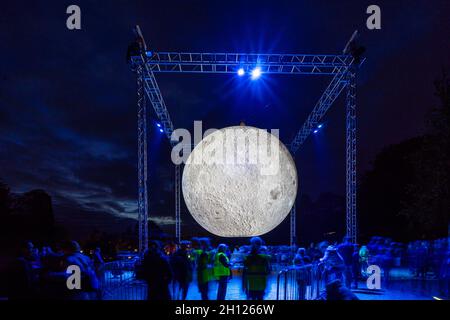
428,193
406,194
25,216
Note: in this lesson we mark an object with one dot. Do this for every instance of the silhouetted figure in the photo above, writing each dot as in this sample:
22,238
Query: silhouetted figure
21,278
422,259
364,260
333,265
356,266
53,275
386,264
97,258
314,253
98,262
157,273
345,250
300,258
444,276
182,269
221,270
302,274
322,247
203,268
256,271
89,281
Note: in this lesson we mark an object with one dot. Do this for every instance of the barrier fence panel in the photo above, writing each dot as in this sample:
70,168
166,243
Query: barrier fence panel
299,283
118,282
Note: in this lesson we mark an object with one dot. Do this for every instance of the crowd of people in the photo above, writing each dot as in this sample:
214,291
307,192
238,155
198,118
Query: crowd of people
41,273
349,263
342,265
198,258
170,269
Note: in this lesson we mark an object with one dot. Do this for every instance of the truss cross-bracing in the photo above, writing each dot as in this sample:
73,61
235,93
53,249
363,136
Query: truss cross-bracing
341,67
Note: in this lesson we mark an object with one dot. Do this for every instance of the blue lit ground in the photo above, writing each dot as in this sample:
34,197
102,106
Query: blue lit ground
234,290
402,287
397,290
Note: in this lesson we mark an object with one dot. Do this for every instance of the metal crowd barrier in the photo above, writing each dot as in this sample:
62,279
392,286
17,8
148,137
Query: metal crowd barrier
300,283
118,282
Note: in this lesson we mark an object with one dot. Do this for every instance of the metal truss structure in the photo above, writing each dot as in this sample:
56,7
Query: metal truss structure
342,67
142,161
332,91
293,227
175,62
351,154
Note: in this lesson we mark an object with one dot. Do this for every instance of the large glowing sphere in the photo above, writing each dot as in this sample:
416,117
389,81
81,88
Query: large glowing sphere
239,182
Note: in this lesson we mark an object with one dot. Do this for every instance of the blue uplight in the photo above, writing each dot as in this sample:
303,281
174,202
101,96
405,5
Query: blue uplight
320,126
315,131
241,72
158,125
161,130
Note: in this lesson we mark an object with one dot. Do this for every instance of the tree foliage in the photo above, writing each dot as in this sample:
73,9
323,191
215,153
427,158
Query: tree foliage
406,194
25,216
428,193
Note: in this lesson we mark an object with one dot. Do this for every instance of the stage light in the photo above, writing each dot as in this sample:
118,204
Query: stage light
256,73
161,130
241,72
158,125
315,131
319,126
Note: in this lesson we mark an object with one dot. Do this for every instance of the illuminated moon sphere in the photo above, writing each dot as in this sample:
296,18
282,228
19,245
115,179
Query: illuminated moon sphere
239,182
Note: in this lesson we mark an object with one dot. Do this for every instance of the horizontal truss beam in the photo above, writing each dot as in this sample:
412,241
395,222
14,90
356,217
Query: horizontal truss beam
180,62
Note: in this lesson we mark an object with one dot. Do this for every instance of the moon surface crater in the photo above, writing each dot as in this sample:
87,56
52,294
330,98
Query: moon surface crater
239,182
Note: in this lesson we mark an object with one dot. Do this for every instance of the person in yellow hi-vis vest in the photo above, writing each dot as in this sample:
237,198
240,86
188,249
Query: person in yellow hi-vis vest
256,271
221,271
203,268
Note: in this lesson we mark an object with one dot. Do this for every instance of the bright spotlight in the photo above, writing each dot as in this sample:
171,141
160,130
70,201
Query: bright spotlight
158,125
256,73
241,72
315,131
161,130
320,126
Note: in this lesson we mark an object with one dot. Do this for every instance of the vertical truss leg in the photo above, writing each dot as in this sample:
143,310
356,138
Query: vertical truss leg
177,202
142,162
293,233
351,155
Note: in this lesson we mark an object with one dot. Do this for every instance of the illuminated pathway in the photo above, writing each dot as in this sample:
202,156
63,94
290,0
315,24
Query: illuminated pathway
407,289
398,290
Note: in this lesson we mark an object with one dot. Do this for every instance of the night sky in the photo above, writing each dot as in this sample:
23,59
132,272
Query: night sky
68,99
